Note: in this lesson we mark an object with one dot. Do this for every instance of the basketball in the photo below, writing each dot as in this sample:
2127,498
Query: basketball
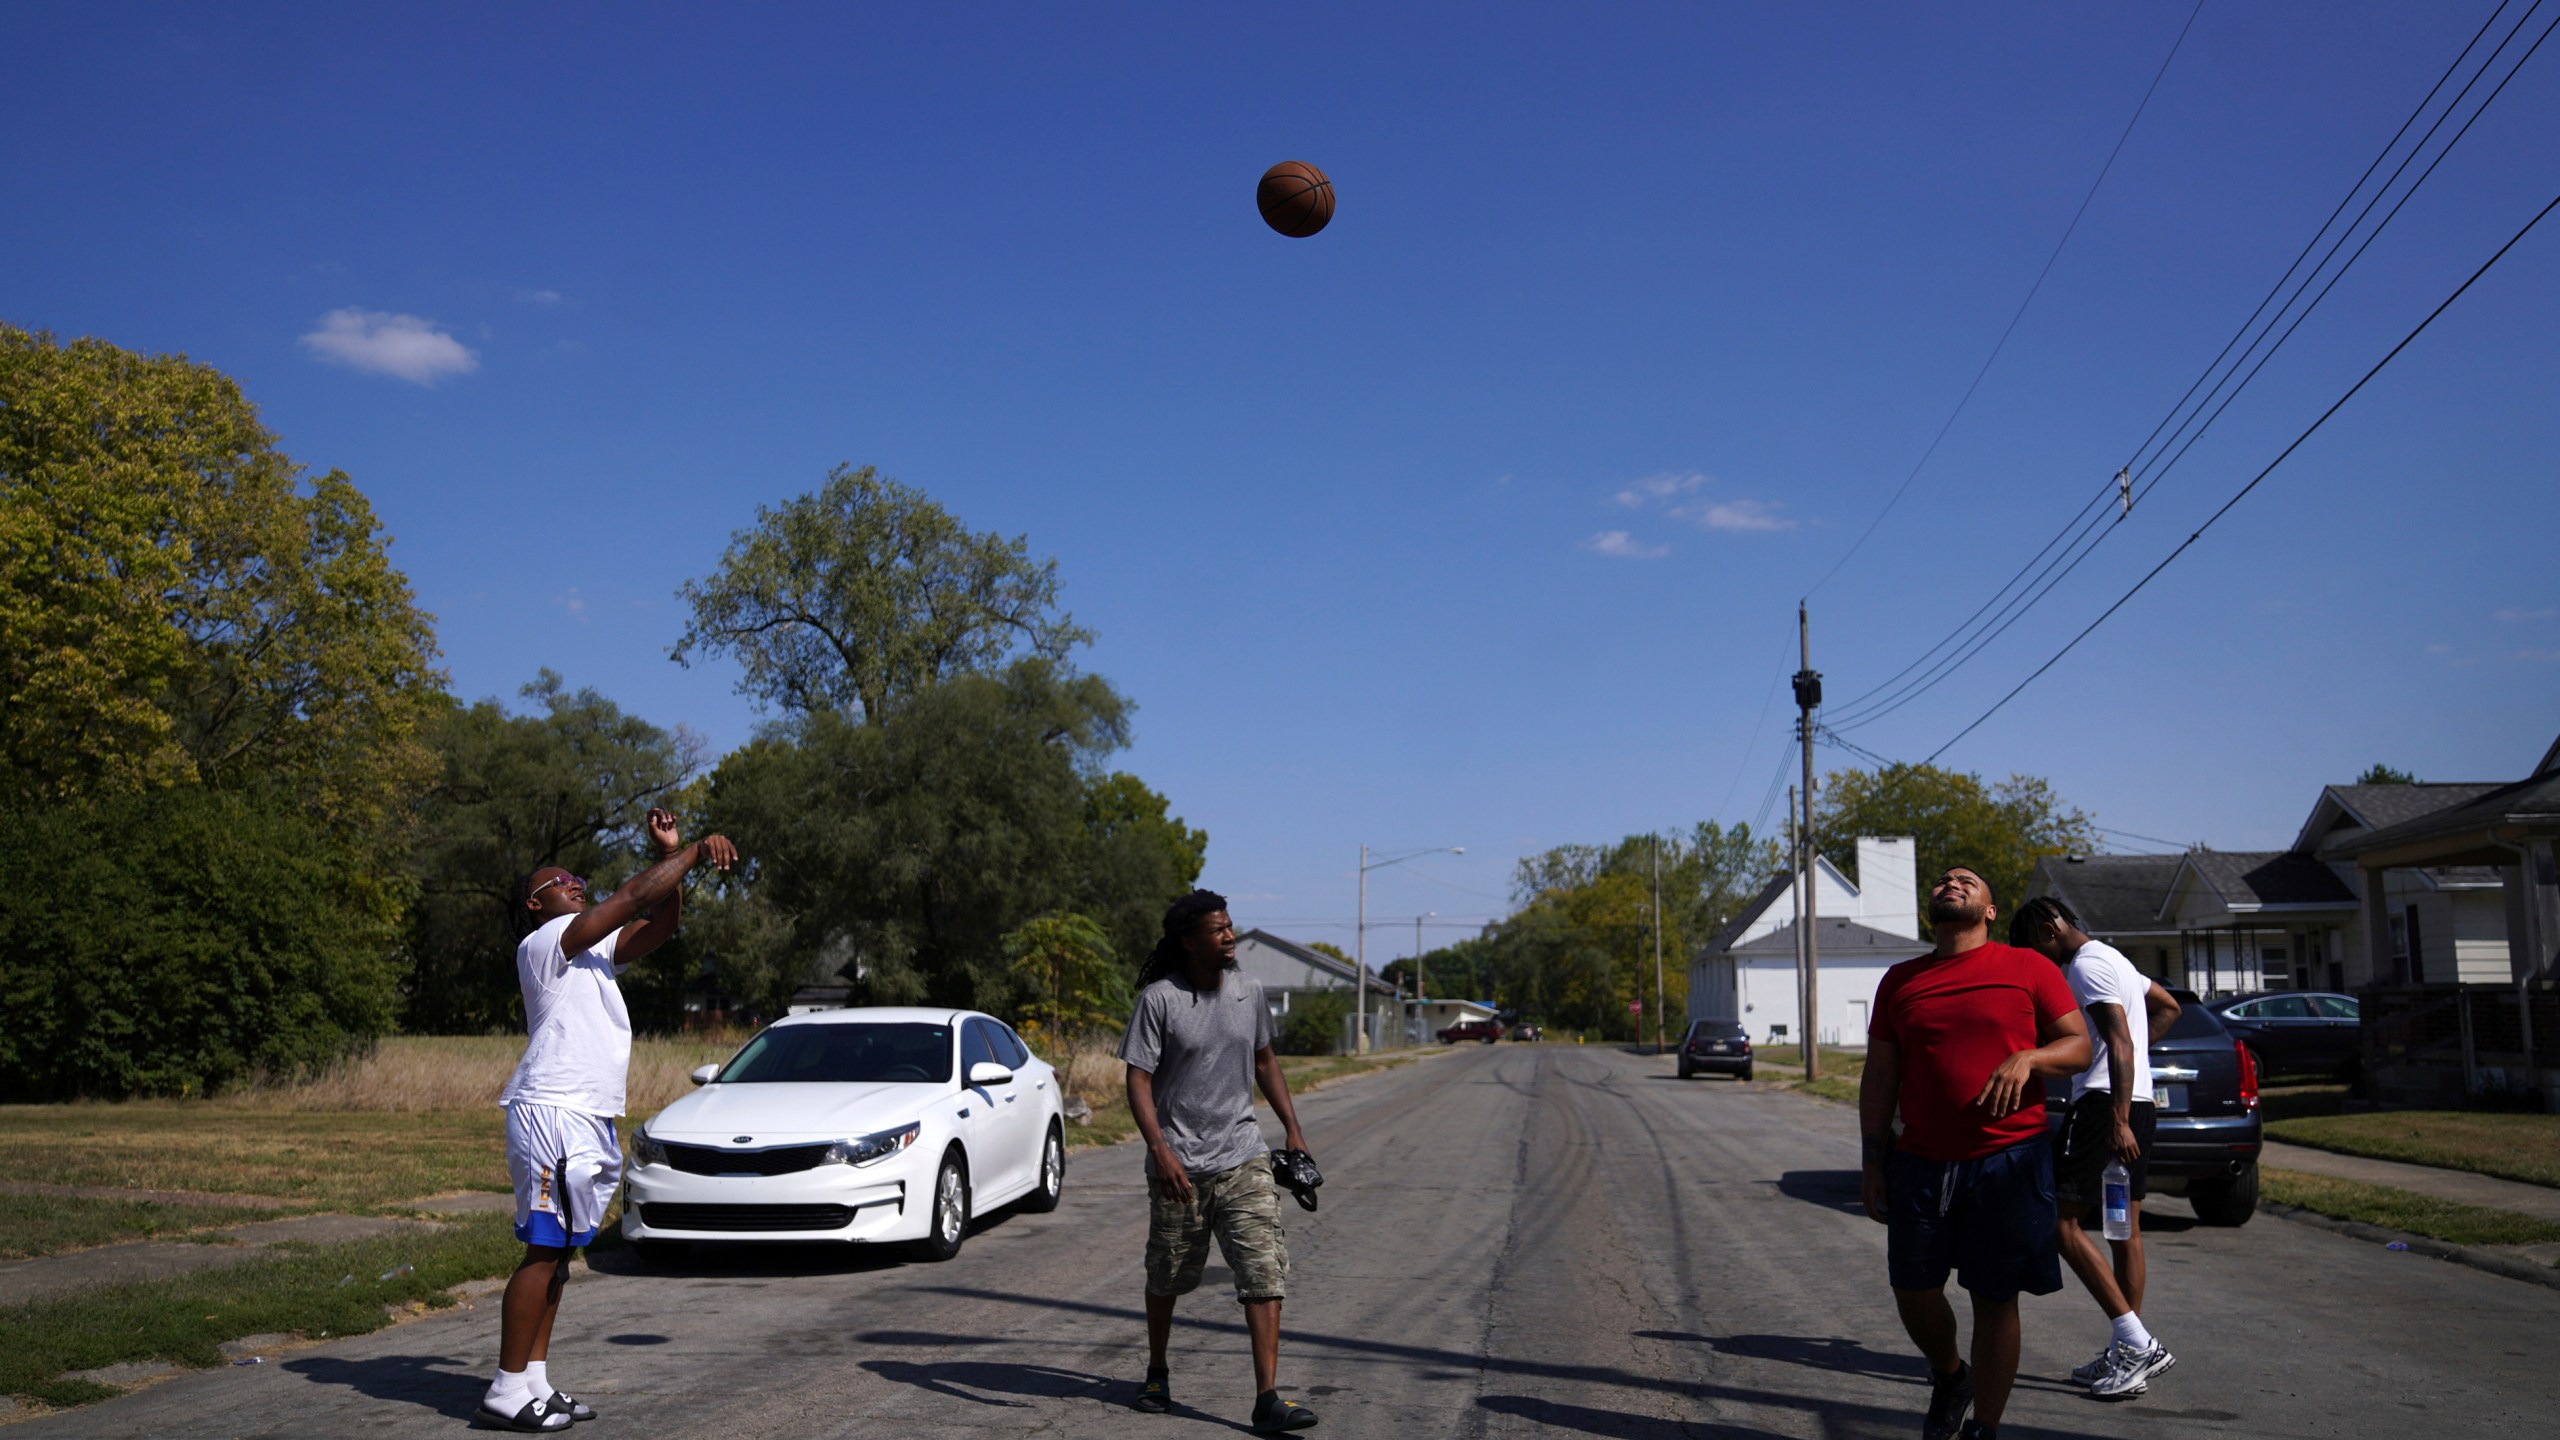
1294,198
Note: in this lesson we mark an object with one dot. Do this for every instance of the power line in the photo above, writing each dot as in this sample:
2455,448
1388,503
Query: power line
2243,492
1743,765
1975,633
2003,341
2178,845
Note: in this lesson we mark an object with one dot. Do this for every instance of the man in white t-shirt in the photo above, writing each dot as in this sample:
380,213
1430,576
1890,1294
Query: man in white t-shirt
561,1102
2109,1119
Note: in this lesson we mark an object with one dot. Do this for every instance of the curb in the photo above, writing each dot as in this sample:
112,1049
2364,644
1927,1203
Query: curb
2512,1267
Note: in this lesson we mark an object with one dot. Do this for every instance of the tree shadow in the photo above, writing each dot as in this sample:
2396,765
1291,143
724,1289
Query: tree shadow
1831,1189
428,1381
1555,1415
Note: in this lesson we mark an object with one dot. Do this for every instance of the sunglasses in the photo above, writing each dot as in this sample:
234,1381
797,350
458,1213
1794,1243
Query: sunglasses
558,880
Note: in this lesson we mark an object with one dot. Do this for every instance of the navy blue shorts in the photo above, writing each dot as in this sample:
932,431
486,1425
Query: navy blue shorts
1988,1220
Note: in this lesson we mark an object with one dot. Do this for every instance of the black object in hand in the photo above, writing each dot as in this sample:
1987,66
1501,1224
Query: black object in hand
1297,1173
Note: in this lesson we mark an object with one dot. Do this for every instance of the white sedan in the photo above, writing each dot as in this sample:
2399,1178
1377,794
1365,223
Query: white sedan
870,1125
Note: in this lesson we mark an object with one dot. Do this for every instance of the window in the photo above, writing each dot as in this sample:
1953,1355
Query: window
976,1045
2284,1007
2336,1007
1006,1040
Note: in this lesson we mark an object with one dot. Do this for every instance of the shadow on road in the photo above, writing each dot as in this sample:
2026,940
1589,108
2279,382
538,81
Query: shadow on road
1830,1189
1551,1415
1821,1352
966,1379
428,1381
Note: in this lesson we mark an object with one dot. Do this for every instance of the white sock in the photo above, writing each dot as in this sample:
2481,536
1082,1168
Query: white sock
509,1392
2129,1332
537,1378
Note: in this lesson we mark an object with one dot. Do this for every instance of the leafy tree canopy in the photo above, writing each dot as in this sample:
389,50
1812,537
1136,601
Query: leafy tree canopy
901,852
865,593
1954,818
1068,980
2385,775
569,785
181,603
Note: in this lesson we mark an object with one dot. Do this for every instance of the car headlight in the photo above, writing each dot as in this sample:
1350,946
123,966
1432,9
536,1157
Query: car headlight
869,1148
645,1151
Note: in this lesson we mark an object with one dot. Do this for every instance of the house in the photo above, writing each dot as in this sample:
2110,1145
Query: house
2119,899
1862,927
2247,919
1430,1017
2439,922
1289,972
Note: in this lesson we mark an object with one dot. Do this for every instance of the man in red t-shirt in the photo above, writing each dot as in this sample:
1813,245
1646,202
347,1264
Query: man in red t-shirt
1962,1041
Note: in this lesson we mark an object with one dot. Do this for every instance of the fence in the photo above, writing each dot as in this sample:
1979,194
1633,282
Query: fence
2436,1045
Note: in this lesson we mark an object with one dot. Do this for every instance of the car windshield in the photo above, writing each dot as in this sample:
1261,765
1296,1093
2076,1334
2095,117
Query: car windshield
841,1053
1718,1030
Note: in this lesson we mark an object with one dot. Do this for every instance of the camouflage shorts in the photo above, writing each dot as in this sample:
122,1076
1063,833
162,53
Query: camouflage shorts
1242,1208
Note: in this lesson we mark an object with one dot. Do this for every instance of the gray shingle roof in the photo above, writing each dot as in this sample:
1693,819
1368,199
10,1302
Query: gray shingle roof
2112,894
2270,877
2380,805
2531,801
1841,938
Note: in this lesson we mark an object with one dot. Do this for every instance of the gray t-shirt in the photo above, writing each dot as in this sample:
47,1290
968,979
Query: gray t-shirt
1199,1045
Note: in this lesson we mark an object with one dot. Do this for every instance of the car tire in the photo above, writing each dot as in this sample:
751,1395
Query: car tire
1744,1074
2226,1203
1053,1174
2258,1062
947,1222
1684,1070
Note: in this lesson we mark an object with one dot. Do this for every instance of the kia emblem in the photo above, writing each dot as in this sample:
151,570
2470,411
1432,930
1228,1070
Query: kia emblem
742,1139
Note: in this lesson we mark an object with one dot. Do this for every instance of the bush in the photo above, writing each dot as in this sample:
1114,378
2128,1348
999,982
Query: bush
1314,1023
175,942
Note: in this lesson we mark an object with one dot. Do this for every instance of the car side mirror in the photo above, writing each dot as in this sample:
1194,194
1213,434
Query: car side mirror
988,1072
703,1074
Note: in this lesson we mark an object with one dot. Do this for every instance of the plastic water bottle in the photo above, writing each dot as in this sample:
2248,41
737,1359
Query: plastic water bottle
2119,1201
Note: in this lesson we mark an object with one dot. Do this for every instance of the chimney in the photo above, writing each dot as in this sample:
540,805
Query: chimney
1889,885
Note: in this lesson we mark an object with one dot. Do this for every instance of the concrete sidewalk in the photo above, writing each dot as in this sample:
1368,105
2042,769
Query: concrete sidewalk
2460,1186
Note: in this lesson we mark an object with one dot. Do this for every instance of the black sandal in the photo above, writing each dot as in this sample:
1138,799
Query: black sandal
1155,1394
1273,1415
575,1408
539,1416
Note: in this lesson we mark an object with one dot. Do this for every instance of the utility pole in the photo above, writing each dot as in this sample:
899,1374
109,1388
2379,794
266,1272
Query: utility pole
1795,899
1360,964
1657,944
1808,696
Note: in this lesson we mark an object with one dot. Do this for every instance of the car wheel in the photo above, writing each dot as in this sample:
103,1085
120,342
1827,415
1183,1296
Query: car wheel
1743,1074
948,1222
1684,1070
1053,1174
2226,1202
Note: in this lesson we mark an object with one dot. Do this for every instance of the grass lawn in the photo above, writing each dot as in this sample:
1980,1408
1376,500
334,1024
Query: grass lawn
32,1225
2404,1210
315,1291
1840,1070
318,1159
2511,1147
1109,1097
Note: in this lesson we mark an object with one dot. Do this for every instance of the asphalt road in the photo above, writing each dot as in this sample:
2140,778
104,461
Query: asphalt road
1515,1240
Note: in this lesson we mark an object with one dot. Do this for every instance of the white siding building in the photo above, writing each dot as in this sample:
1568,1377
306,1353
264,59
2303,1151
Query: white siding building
1863,927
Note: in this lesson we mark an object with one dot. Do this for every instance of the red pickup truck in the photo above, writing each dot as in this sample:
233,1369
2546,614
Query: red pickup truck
1487,1031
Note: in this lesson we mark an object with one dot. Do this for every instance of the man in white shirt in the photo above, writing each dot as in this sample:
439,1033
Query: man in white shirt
561,1102
2110,1118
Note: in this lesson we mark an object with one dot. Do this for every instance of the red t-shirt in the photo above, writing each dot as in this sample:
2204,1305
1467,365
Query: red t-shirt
1953,1019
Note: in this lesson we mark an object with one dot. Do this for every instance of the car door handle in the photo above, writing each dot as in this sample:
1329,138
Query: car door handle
964,1114
1009,1099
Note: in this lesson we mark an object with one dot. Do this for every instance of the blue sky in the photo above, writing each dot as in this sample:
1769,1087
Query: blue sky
1478,519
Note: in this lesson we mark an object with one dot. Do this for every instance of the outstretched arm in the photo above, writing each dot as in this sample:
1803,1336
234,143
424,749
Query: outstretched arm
642,893
654,927
1275,1088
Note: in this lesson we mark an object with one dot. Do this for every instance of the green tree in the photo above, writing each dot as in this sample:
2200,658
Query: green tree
181,603
185,939
569,785
867,592
1315,1024
1141,858
2385,775
1954,819
901,852
1070,982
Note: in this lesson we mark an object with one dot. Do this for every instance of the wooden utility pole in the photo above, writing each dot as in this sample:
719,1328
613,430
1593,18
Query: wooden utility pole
1808,696
1795,899
1657,944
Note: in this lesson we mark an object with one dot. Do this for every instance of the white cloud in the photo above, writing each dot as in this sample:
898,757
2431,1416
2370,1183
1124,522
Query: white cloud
1736,517
2511,616
538,297
402,346
2537,657
1620,544
573,602
1661,487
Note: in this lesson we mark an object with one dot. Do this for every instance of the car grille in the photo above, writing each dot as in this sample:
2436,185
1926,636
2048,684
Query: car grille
712,1160
663,1216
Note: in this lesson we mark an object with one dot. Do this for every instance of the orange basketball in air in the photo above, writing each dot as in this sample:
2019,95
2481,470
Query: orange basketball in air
1294,198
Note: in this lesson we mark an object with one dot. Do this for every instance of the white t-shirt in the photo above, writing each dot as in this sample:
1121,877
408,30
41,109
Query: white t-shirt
579,1048
2100,975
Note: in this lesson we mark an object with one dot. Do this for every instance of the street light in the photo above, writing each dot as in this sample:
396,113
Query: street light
1360,940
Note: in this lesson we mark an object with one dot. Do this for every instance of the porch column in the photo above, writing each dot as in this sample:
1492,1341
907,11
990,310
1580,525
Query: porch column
2377,925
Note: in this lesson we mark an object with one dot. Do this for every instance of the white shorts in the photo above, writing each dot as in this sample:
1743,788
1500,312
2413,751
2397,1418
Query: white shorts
565,1165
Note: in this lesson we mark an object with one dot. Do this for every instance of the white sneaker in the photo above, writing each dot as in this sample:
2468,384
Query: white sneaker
2131,1372
2088,1374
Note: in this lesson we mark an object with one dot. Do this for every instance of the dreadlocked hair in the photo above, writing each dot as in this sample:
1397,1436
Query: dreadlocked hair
2037,916
1180,918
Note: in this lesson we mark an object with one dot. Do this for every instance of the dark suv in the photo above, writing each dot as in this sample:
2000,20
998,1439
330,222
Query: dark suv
1718,1045
1487,1031
2206,1135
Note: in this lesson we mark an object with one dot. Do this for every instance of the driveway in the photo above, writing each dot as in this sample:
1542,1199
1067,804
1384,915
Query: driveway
1515,1240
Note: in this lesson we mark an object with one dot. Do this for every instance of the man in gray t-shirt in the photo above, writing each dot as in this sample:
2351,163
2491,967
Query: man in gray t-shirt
1198,1042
